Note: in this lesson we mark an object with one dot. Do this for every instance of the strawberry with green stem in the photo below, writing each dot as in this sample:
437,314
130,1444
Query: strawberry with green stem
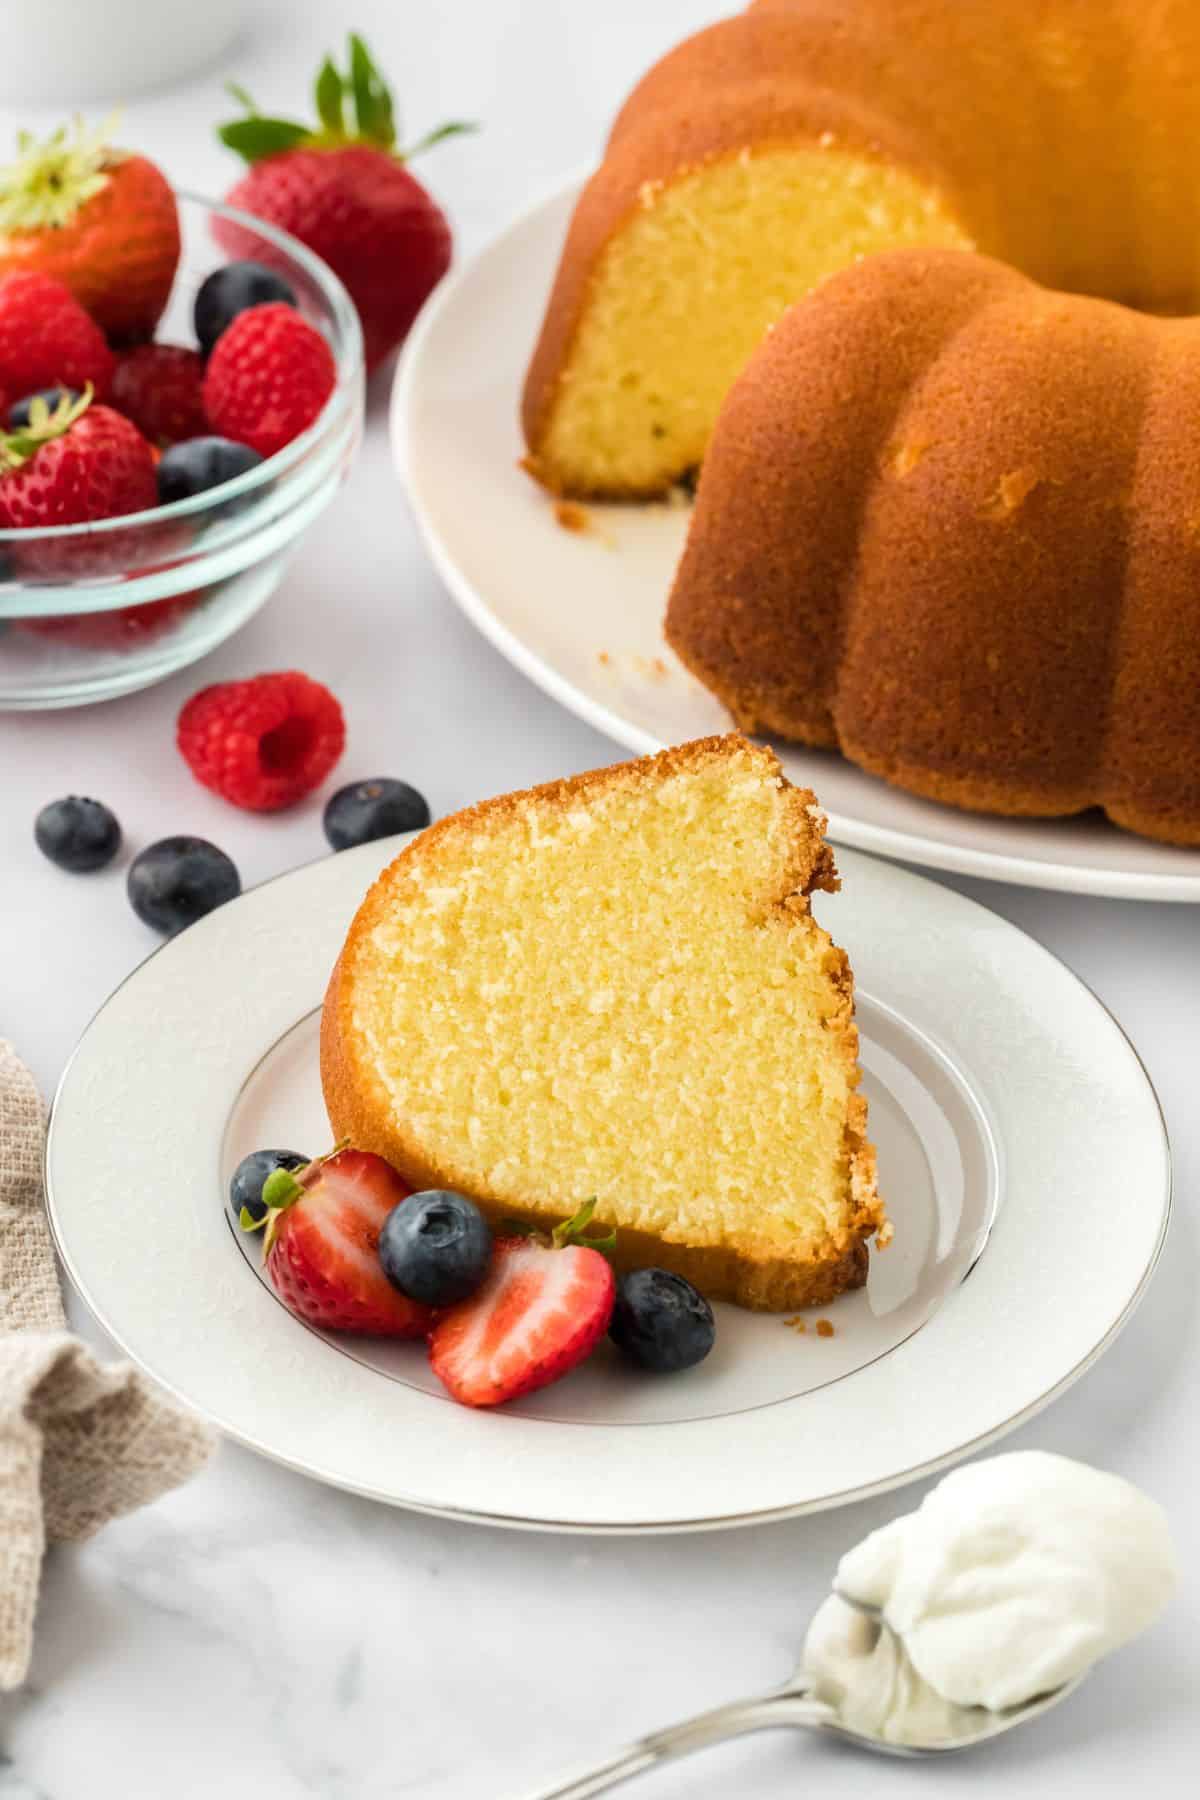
343,188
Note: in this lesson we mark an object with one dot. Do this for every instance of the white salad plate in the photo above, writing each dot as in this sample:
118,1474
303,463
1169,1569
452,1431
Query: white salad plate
580,613
1022,1155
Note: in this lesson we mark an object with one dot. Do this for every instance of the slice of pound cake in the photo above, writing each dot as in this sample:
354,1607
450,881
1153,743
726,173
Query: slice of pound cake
613,986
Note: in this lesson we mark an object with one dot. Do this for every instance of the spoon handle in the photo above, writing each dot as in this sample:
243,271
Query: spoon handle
784,1706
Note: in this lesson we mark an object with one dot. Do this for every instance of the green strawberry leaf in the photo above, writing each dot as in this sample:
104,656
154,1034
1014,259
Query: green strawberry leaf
453,128
572,1231
243,97
372,99
258,138
328,96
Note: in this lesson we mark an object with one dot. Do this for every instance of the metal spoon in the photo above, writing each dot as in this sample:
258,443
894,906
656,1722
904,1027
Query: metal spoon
791,1704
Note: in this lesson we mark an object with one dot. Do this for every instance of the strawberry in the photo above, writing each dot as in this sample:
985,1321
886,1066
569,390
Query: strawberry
47,340
264,743
100,220
321,1249
541,1310
122,630
70,466
268,378
159,387
344,190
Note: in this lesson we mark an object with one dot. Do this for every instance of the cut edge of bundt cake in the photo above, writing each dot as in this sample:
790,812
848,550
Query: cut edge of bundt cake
613,987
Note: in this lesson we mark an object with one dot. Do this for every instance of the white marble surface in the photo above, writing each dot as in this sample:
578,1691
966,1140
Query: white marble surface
260,1635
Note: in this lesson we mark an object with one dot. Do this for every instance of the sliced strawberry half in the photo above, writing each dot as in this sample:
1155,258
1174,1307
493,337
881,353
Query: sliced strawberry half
321,1249
541,1310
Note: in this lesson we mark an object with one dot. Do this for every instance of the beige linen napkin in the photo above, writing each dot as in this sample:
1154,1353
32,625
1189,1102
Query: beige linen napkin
80,1442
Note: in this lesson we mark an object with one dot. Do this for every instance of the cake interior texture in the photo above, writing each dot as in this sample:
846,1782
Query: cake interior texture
614,987
669,324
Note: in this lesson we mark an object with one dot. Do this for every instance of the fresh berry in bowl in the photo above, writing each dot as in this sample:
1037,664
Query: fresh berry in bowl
268,378
100,220
233,289
321,1245
109,604
80,463
200,464
343,187
178,880
265,743
367,810
78,834
47,340
160,388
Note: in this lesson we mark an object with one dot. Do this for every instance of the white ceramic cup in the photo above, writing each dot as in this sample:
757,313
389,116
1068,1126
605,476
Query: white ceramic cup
107,50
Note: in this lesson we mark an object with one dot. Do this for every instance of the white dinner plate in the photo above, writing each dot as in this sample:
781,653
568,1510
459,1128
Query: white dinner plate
581,614
1020,1145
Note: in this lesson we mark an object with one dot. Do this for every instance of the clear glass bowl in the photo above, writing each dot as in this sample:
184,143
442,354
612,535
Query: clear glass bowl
91,611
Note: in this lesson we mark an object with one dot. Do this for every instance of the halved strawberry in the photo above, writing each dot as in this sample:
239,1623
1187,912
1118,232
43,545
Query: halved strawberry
321,1248
541,1310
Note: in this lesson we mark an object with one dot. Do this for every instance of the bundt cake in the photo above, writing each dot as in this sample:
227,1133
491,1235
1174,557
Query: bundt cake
772,149
614,987
950,523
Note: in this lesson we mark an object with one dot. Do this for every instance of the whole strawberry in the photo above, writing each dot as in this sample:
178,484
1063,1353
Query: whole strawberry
321,1249
68,467
343,189
98,219
268,377
158,386
47,340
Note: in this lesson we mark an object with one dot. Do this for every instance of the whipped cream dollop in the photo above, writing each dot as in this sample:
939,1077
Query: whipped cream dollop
1014,1575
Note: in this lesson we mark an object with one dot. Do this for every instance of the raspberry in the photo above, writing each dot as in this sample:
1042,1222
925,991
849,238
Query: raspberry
264,743
47,340
269,375
158,386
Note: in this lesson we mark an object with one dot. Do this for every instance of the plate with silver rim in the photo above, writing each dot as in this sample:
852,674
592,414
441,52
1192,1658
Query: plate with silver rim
579,611
1022,1155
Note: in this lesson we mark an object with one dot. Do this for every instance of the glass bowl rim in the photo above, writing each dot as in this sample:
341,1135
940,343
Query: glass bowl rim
266,473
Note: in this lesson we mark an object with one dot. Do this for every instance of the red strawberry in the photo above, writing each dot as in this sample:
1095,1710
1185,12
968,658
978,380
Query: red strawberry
68,467
265,743
540,1312
98,219
268,377
47,340
321,1249
343,189
159,387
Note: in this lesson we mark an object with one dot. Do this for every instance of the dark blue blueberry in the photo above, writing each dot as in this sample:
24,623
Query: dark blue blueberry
661,1321
231,290
18,412
373,809
435,1247
176,881
202,463
77,834
245,1190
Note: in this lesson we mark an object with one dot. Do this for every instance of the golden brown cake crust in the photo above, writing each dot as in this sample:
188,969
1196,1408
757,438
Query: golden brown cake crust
360,1109
1018,113
948,524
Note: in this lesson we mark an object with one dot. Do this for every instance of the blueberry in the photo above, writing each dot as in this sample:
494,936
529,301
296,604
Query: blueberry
77,834
245,1190
202,463
373,809
435,1247
18,412
231,290
176,881
661,1321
